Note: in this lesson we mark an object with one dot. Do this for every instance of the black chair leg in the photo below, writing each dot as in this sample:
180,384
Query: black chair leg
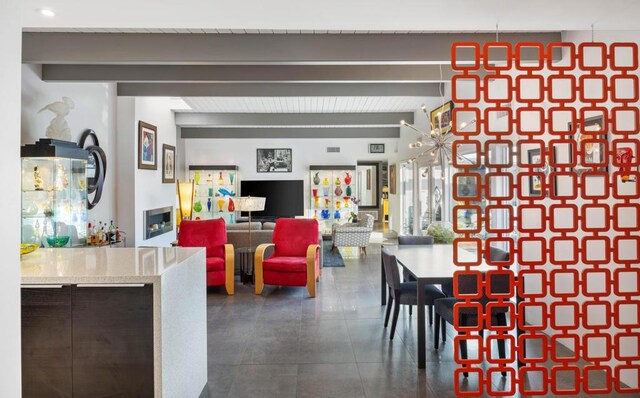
410,310
394,322
463,353
431,315
436,333
389,305
501,319
443,325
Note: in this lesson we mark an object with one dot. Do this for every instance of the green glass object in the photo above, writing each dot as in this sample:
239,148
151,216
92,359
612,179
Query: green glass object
197,207
196,177
348,190
316,179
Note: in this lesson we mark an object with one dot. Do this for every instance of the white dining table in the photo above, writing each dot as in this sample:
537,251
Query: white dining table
428,264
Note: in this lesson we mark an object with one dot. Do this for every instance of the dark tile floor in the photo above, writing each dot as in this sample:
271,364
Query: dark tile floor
284,344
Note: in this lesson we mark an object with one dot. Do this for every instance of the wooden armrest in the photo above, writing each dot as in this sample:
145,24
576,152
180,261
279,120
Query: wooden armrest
257,266
311,269
229,268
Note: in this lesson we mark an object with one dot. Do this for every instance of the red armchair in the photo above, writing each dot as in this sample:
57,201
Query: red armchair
212,235
295,259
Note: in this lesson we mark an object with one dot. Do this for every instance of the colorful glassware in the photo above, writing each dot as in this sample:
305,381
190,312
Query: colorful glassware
336,215
316,200
347,179
220,204
196,177
337,180
346,202
208,204
231,178
325,181
326,203
315,191
349,190
231,206
220,179
325,214
316,178
338,191
338,204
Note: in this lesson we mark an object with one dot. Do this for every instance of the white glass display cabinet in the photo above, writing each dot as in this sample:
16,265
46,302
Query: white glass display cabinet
54,194
216,189
331,196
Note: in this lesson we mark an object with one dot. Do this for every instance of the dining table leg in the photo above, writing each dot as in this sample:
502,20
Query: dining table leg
383,283
421,324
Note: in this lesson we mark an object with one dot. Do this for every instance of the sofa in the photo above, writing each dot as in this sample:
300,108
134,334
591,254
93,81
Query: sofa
238,236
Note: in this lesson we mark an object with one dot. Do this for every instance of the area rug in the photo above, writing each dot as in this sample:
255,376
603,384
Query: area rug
331,259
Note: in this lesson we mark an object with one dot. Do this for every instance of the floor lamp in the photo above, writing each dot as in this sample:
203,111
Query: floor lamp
249,204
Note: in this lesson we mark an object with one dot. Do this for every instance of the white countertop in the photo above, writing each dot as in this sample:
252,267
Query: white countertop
102,265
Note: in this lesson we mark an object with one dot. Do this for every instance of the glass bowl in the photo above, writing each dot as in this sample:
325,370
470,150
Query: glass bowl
57,241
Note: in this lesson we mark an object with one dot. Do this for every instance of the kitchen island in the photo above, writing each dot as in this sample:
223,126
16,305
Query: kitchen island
114,322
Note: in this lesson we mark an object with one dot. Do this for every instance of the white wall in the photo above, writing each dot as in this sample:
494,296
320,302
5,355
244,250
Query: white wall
10,48
141,189
95,108
305,152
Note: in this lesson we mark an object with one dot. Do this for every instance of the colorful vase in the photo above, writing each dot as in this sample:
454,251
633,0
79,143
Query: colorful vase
231,218
220,179
337,181
338,191
210,191
348,190
209,204
316,178
325,181
315,215
231,178
346,202
197,207
336,214
347,179
316,200
326,203
315,191
325,191
231,206
220,204
196,177
338,204
325,214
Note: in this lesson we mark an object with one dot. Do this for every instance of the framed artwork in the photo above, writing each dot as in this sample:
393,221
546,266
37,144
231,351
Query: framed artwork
594,152
392,179
168,163
376,148
274,160
441,118
147,146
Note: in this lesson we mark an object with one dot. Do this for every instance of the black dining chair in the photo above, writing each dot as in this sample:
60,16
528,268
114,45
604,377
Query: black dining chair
406,275
495,254
402,292
467,284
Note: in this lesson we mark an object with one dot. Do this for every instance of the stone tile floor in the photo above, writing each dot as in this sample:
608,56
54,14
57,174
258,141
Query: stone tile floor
284,344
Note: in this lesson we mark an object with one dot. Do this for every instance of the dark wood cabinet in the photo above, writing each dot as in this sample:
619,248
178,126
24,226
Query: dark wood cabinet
46,342
88,341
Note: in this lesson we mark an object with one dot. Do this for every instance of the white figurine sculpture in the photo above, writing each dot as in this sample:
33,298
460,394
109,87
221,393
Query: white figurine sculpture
58,128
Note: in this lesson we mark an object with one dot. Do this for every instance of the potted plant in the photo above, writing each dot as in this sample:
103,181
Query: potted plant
353,217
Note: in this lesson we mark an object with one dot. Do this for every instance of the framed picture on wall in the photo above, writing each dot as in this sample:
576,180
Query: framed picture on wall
392,179
168,163
441,118
147,146
274,160
376,148
590,141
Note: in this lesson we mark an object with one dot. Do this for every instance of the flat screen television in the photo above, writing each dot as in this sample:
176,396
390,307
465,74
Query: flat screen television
285,198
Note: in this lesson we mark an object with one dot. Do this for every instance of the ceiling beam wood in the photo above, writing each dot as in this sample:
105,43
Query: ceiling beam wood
279,90
159,48
309,133
193,119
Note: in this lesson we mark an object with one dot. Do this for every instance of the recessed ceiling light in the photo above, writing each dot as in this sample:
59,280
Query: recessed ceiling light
47,12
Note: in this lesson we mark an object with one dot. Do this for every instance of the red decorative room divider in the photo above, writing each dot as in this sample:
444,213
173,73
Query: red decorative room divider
573,126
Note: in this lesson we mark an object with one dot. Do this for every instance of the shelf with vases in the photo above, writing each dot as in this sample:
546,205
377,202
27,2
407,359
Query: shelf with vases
328,184
210,180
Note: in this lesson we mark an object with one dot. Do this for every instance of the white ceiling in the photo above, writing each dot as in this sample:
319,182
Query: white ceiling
336,15
303,104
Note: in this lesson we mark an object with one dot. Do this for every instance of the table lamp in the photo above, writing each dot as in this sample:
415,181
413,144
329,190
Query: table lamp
249,204
186,192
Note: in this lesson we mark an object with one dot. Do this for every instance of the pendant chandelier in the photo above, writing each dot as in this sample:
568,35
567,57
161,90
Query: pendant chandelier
437,143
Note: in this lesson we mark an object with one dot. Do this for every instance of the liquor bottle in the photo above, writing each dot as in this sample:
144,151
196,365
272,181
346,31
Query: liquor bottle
89,235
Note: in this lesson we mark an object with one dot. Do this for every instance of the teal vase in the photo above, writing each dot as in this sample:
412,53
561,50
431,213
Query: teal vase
349,190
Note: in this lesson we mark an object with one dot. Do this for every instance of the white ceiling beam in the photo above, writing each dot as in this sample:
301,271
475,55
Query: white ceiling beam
248,73
279,90
317,132
193,119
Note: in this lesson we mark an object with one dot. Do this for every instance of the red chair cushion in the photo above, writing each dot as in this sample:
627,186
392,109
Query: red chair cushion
215,264
285,264
293,236
211,234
